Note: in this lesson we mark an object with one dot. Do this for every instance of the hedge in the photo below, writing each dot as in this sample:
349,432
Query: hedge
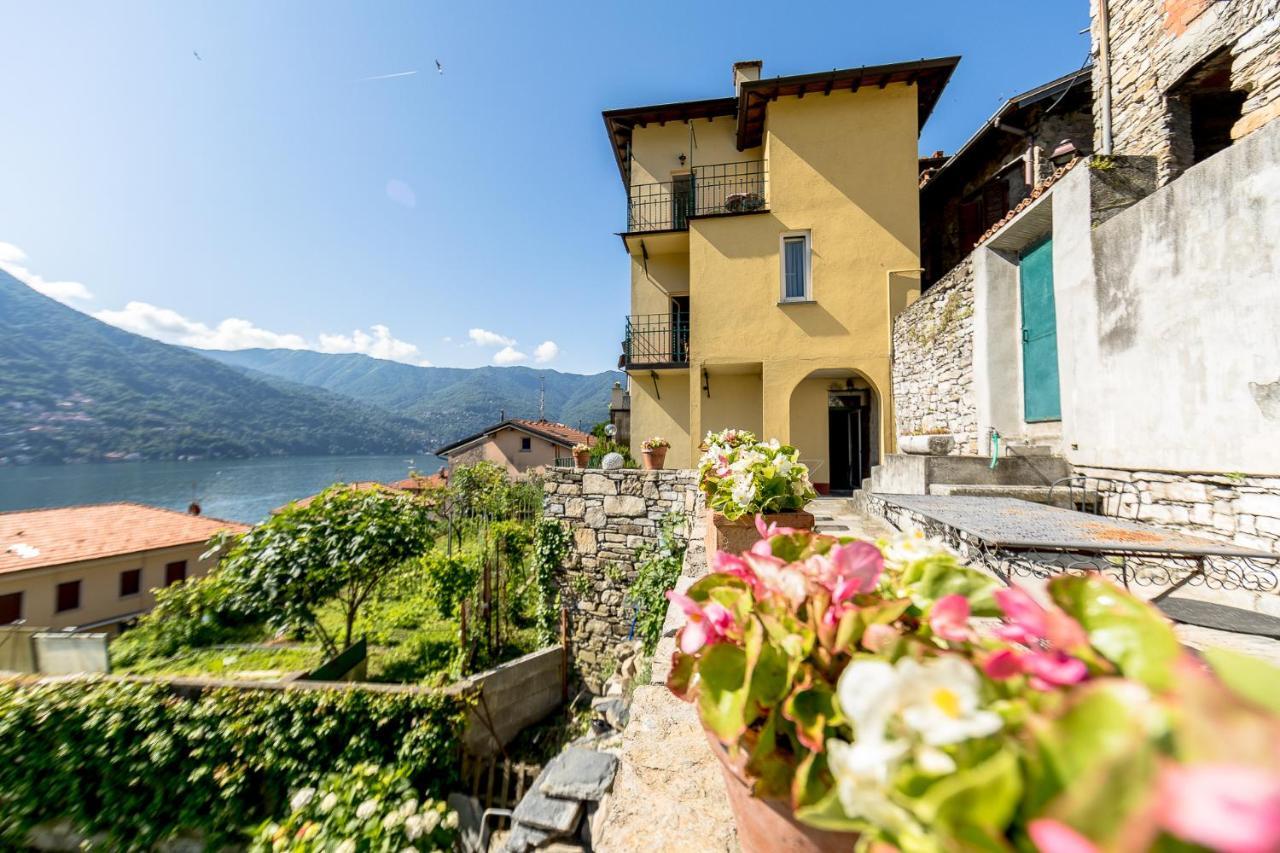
142,764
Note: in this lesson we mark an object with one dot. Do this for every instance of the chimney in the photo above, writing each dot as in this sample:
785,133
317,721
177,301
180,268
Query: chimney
194,508
744,72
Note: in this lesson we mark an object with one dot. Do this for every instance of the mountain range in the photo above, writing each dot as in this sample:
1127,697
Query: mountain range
75,389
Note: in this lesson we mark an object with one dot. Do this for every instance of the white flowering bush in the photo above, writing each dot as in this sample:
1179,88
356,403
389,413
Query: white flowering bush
743,476
367,808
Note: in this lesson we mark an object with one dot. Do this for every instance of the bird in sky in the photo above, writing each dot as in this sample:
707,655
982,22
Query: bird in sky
439,67
196,55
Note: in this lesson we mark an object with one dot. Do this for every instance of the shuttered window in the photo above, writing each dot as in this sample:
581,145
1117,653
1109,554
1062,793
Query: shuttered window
175,572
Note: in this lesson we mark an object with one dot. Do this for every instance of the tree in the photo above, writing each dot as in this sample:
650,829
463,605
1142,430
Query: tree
341,546
480,489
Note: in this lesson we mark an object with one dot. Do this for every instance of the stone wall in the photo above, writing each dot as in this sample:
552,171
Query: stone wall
1153,48
611,514
933,361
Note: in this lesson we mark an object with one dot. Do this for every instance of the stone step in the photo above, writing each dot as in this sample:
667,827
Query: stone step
1035,494
907,474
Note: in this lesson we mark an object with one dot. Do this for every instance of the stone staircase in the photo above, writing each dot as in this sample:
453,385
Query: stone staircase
1026,473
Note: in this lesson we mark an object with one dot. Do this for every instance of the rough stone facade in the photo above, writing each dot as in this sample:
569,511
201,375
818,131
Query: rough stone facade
611,514
1156,45
933,361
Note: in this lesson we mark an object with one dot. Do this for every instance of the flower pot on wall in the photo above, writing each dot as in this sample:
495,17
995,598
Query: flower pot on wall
738,536
582,458
767,824
654,459
926,445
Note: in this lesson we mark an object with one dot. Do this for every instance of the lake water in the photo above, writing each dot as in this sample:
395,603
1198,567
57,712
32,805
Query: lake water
237,489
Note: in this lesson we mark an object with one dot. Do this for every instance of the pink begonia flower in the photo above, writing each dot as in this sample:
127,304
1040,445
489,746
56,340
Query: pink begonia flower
949,618
1026,619
705,625
1003,664
878,637
1053,669
857,567
1052,836
1230,808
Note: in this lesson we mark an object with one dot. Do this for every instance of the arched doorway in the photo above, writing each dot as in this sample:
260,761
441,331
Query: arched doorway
835,421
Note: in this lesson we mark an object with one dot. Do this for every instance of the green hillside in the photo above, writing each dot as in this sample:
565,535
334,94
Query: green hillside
75,389
449,402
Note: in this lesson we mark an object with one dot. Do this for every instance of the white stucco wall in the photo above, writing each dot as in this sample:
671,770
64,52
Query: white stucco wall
1169,327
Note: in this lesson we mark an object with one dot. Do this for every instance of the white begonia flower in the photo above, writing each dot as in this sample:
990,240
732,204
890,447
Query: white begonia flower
940,701
784,466
330,800
451,820
302,799
861,772
430,820
868,692
392,820
365,810
744,489
413,826
347,846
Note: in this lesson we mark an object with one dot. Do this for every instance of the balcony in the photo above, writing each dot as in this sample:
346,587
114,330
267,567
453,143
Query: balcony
724,188
656,342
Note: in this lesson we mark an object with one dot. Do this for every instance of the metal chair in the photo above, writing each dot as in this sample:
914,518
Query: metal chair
1102,496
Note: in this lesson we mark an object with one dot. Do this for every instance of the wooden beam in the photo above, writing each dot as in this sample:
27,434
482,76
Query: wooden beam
830,82
884,81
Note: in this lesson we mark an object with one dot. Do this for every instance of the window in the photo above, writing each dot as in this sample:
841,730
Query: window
796,274
526,444
10,607
130,582
175,572
68,596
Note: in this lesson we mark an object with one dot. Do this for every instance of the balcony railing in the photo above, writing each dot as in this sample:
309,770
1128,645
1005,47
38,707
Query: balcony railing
706,190
656,340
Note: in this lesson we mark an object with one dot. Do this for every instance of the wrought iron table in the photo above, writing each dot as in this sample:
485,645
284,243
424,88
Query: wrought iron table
1016,538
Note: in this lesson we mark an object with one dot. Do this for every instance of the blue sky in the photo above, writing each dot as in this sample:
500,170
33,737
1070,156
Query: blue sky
270,193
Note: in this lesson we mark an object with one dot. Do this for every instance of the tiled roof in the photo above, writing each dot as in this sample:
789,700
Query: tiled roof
1036,191
33,539
561,434
358,486
422,483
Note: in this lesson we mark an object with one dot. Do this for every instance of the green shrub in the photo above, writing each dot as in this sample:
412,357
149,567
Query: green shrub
198,612
139,764
657,570
550,549
368,808
449,579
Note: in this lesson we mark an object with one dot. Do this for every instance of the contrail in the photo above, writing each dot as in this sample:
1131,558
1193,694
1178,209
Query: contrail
389,76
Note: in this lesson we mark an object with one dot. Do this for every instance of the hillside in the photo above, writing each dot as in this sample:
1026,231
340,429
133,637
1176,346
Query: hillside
449,402
75,389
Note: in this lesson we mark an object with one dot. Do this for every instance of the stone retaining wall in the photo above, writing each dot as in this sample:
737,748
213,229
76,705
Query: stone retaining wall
933,361
610,514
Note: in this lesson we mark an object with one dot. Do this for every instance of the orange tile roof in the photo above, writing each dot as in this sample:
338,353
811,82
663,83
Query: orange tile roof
34,539
421,482
559,431
1036,191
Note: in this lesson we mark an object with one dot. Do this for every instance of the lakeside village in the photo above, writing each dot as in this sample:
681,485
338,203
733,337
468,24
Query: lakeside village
941,512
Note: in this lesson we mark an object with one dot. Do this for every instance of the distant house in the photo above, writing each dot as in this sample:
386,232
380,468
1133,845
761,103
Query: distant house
518,444
418,484
95,567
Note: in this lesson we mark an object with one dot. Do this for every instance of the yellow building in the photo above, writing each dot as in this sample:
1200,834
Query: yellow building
96,567
772,237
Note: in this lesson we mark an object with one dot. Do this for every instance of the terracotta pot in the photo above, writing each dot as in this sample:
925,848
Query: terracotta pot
766,824
653,459
582,458
738,536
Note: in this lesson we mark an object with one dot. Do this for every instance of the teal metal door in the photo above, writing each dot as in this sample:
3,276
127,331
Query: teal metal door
1041,397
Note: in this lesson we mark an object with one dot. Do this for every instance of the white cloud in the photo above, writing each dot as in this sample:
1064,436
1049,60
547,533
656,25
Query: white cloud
380,344
165,324
509,355
401,193
63,291
486,338
546,351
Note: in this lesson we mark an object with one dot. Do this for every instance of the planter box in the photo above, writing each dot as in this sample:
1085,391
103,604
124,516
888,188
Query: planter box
767,825
927,445
738,536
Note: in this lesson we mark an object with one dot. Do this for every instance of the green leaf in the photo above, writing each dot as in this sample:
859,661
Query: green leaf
810,707
1128,632
1251,679
722,691
771,767
932,578
984,796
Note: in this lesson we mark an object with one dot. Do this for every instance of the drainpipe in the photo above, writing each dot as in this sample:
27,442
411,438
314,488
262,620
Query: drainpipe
1104,70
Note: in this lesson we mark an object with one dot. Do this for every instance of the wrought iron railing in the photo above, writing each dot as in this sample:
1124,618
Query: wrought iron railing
706,190
656,340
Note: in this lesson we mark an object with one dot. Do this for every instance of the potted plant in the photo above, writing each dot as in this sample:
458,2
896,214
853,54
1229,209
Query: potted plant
582,455
931,442
851,699
655,452
742,477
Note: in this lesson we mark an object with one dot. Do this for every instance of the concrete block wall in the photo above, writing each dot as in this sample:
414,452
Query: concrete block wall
933,361
610,515
514,695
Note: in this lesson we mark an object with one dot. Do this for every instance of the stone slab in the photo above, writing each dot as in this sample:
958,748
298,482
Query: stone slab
551,815
580,774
